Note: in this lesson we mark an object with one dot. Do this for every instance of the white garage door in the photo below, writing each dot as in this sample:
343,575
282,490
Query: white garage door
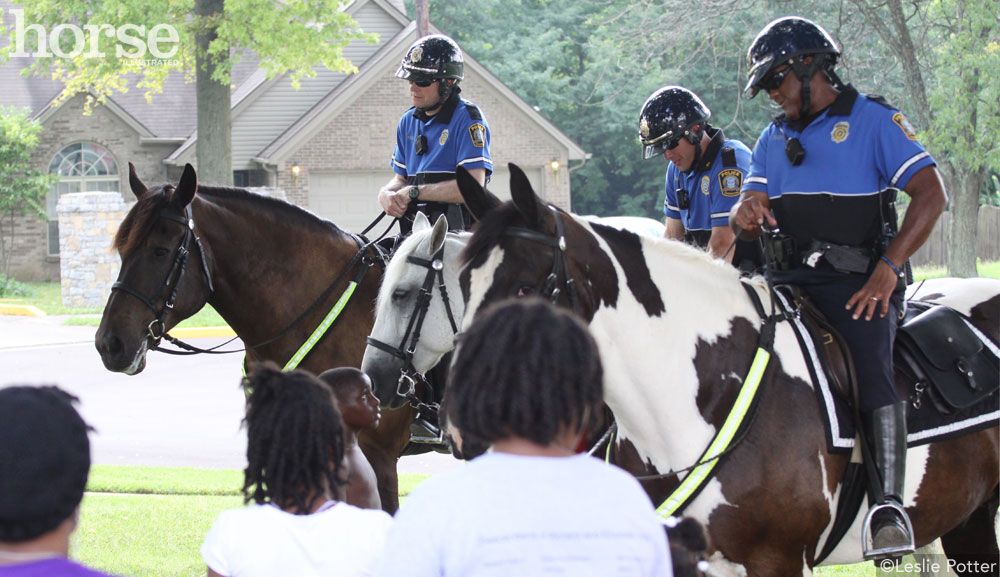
350,198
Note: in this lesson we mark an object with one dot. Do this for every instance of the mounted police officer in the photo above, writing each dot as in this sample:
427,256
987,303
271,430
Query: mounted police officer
829,167
440,132
704,174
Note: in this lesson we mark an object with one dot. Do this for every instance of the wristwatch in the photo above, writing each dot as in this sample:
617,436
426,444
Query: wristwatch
414,193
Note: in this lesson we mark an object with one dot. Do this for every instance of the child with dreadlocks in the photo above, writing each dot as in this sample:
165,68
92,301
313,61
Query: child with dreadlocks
295,452
527,379
359,408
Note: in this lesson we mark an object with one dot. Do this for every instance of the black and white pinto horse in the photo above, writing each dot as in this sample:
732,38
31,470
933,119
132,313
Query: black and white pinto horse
677,333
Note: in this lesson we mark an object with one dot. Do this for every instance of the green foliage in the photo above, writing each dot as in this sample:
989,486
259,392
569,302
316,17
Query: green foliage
22,188
288,36
11,288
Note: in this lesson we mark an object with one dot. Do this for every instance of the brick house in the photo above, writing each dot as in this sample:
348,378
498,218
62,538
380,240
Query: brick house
337,131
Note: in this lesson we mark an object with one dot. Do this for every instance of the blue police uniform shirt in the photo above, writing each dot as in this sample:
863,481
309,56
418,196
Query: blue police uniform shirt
455,137
712,188
855,149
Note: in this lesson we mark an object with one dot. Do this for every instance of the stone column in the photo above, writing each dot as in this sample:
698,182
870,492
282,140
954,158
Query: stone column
87,224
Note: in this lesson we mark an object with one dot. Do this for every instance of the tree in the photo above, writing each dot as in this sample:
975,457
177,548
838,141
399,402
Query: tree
22,189
950,52
98,47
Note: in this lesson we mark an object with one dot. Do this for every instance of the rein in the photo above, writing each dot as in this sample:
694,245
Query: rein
409,376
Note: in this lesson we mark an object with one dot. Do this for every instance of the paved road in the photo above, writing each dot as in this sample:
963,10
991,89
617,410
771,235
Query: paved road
180,411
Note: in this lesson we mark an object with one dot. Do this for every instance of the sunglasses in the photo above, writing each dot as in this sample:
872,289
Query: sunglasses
422,83
665,145
774,81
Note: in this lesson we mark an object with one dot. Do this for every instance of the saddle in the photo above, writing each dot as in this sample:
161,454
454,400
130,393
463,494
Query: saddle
938,352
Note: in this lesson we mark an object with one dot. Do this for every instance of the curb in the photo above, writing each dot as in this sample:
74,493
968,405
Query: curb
21,310
201,332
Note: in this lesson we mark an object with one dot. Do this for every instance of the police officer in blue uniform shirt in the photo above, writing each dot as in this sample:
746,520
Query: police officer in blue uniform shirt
441,131
704,175
829,167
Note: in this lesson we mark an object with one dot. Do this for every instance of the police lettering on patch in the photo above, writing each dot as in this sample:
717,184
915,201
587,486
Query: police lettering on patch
706,183
478,134
444,137
840,132
904,125
730,181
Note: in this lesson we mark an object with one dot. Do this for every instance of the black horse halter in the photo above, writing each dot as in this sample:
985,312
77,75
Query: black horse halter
559,277
406,387
172,281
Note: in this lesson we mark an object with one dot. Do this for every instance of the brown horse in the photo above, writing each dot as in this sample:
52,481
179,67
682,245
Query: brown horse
261,263
677,333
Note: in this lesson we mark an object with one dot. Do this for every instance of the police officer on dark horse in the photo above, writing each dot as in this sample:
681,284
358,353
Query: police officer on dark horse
828,168
440,132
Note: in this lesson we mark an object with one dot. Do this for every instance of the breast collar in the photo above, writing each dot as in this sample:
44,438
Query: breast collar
444,115
714,146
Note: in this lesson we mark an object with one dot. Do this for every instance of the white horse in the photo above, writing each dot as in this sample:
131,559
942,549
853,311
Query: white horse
677,333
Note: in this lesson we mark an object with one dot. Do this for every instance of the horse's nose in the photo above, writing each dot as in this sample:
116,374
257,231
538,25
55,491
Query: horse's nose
108,345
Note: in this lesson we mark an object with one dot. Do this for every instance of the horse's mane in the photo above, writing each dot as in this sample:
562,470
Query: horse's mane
489,229
139,222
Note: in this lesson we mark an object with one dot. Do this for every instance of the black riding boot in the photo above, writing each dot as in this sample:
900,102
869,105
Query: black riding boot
887,522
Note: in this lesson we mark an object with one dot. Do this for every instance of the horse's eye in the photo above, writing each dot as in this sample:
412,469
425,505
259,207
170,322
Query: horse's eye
160,251
399,294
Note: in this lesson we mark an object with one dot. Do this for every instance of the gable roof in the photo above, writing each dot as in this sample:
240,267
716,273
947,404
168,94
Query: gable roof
377,67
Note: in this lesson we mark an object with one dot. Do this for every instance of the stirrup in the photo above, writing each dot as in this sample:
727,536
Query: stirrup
425,433
871,554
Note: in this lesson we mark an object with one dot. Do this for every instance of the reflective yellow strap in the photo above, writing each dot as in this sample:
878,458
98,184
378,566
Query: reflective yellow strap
317,334
701,473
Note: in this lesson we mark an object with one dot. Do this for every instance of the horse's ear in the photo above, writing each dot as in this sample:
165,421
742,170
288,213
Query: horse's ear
138,188
439,233
524,197
473,193
186,187
420,222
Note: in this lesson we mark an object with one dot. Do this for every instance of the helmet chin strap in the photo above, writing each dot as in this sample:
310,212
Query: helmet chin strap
694,137
805,73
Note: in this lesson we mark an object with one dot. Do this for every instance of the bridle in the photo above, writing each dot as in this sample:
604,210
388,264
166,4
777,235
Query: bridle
559,277
172,281
409,376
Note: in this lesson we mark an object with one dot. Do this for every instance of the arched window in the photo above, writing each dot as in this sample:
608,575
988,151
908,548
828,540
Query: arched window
81,167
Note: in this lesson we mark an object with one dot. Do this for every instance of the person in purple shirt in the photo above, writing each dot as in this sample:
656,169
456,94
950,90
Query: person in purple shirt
44,463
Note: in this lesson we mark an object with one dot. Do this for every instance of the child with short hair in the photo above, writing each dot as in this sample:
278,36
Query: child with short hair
359,408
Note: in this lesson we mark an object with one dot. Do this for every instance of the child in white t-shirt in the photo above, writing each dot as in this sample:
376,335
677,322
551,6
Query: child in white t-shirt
295,451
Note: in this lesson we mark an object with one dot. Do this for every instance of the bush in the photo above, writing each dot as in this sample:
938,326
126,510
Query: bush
11,288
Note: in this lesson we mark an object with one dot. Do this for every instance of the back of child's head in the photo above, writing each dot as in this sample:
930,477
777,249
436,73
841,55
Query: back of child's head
524,368
687,546
343,380
44,460
295,439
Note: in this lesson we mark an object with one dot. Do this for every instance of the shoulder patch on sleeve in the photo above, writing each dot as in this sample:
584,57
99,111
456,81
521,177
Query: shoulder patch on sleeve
904,125
474,112
478,134
730,181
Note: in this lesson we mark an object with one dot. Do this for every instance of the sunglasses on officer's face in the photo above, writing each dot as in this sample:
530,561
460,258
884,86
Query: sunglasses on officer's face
422,83
774,80
665,145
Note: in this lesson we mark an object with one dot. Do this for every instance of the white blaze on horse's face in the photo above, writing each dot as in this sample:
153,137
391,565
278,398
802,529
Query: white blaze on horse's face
480,281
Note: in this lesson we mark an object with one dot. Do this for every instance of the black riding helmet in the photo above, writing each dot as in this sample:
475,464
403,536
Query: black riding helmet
789,40
434,57
671,113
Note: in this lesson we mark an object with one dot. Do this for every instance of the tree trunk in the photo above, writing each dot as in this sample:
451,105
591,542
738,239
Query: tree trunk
962,237
423,18
214,145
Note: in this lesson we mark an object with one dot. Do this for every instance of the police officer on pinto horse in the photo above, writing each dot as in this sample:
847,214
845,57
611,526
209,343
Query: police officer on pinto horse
829,168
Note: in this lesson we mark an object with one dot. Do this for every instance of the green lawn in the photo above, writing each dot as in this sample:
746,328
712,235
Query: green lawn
150,521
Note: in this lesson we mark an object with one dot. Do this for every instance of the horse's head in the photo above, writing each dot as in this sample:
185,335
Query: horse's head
527,246
157,243
415,319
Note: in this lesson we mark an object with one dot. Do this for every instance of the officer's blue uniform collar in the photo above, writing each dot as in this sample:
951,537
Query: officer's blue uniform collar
444,115
841,106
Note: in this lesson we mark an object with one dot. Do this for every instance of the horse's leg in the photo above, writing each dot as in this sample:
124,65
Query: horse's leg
382,448
930,560
975,541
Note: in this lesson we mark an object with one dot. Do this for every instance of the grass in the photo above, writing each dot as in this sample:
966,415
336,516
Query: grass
151,521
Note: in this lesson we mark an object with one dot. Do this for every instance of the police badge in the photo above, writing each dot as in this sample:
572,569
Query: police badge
444,137
706,183
644,128
730,181
416,53
840,132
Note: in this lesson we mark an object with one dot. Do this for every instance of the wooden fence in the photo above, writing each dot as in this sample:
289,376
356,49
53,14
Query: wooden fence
935,250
